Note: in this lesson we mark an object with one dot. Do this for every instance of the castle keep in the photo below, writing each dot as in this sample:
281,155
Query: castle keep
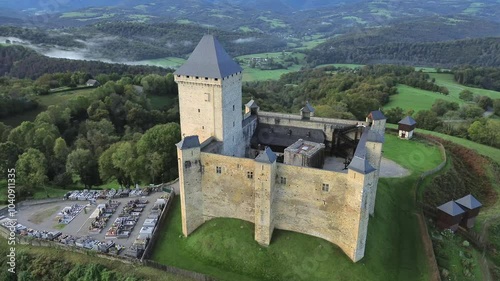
300,173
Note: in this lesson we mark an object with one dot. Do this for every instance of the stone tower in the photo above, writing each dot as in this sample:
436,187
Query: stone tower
210,96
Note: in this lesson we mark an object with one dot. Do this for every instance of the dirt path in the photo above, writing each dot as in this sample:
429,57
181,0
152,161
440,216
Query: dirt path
391,169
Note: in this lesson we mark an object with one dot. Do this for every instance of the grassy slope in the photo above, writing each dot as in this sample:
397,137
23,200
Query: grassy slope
488,151
416,99
45,101
225,247
445,79
145,273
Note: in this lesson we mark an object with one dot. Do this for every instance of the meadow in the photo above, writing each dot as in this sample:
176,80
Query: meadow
225,248
446,80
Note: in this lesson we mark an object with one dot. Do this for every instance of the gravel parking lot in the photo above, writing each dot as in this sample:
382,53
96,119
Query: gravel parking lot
43,217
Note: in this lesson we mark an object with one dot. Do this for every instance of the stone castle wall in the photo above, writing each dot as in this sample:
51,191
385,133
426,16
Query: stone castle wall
275,195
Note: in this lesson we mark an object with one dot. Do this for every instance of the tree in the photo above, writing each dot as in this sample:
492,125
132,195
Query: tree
61,149
484,102
496,106
427,119
9,153
161,139
394,115
441,106
486,132
4,132
31,169
466,95
82,163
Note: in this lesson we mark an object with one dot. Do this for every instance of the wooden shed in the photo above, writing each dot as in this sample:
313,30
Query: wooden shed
449,216
471,207
406,127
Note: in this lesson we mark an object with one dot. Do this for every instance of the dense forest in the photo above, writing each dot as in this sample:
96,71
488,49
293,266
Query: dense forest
132,41
476,52
21,62
482,77
113,133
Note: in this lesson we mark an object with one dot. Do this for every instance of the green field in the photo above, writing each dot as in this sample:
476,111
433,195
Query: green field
79,15
488,151
341,65
416,99
273,23
225,248
255,74
446,80
45,101
168,62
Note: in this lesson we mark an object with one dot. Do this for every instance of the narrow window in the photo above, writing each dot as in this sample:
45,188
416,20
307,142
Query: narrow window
218,170
233,123
202,168
198,110
187,164
207,96
233,107
326,187
203,127
282,180
250,175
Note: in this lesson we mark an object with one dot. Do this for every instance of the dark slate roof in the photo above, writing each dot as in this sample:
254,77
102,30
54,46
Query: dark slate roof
251,104
359,162
266,156
307,108
377,115
189,142
407,121
209,59
375,137
361,165
276,135
469,202
451,208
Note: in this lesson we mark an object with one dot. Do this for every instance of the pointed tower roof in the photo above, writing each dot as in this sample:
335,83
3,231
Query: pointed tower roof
307,108
407,121
209,59
251,104
266,156
469,202
451,208
189,142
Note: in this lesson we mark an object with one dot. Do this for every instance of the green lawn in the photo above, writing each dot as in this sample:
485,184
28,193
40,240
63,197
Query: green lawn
416,99
446,80
488,151
225,248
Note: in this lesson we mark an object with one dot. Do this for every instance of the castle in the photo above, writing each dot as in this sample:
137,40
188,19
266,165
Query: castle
278,171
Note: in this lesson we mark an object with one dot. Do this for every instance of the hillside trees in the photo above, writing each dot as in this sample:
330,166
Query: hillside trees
31,169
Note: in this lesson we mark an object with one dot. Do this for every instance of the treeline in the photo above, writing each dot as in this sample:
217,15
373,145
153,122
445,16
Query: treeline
467,175
477,52
40,36
32,266
111,134
139,41
21,62
347,93
482,77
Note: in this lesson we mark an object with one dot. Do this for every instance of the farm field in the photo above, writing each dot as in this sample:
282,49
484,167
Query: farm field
168,62
344,65
225,248
416,99
45,101
446,80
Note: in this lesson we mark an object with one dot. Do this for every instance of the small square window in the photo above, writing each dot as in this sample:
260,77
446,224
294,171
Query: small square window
282,180
218,170
250,175
326,187
187,164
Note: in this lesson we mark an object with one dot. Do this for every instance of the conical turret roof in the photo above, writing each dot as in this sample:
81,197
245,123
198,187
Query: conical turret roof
209,59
